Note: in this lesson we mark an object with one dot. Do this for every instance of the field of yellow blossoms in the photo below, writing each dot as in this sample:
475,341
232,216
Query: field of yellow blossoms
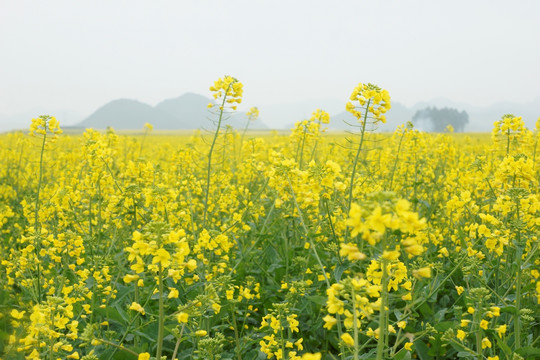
301,246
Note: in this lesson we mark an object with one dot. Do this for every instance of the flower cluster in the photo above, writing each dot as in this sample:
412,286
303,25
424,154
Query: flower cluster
45,124
280,342
229,90
383,213
371,99
253,114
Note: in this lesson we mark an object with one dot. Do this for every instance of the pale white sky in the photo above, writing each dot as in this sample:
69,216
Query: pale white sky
78,55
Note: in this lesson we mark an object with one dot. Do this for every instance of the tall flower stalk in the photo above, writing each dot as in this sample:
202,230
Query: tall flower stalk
252,114
147,129
42,126
229,90
368,103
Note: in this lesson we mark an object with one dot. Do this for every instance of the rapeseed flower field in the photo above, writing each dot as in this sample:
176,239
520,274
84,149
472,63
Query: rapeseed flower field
310,245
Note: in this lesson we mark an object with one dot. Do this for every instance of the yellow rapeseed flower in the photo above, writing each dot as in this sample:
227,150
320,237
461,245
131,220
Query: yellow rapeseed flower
16,314
484,324
486,343
173,293
347,339
351,251
137,307
311,356
329,322
162,257
390,255
424,272
183,317
144,356
501,330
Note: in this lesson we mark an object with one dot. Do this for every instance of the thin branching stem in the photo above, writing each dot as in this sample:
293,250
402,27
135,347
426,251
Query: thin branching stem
353,171
37,226
210,152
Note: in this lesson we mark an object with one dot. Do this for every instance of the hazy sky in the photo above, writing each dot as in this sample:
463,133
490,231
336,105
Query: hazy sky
79,55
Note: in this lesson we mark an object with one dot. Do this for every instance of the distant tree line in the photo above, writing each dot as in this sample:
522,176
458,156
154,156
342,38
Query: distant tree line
437,120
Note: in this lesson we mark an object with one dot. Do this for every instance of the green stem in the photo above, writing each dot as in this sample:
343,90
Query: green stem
424,299
112,175
396,162
353,173
161,316
90,216
240,145
336,241
209,168
119,347
142,142
415,198
178,342
307,234
302,148
517,315
534,151
137,321
236,338
461,345
340,332
37,226
242,137
507,142
21,151
51,343
383,314
36,223
316,142
282,336
478,332
355,325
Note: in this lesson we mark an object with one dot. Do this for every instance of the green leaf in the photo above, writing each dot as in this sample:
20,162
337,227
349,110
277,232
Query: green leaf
145,335
529,352
115,313
503,346
121,312
422,350
509,309
402,355
443,326
426,310
338,272
317,299
439,316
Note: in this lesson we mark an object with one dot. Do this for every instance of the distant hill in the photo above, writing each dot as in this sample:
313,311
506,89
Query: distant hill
188,111
126,114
